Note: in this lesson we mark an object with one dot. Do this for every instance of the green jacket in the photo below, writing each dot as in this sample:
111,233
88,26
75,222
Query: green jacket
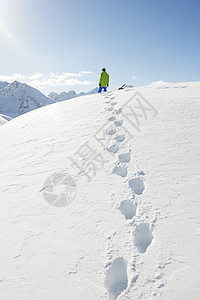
104,79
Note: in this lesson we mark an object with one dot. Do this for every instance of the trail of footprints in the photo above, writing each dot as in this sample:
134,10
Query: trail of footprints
116,277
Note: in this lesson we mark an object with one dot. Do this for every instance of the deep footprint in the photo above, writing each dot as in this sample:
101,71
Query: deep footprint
116,278
143,237
137,185
111,119
125,157
118,123
118,111
120,138
121,171
111,131
128,209
113,148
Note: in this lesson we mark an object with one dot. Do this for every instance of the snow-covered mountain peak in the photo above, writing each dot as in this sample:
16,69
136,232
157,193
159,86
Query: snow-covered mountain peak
18,98
16,84
20,86
53,95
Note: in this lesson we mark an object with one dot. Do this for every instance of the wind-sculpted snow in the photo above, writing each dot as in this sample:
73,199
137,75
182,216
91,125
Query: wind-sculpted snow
91,210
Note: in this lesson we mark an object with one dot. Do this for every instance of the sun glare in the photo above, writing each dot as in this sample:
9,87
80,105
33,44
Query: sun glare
7,28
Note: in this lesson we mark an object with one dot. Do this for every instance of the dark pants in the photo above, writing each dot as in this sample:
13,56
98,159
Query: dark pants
100,89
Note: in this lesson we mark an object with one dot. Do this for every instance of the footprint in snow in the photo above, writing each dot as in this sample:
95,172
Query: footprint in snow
118,111
128,209
111,131
116,278
143,237
141,173
109,108
120,138
121,171
137,185
113,148
111,119
118,123
113,103
125,157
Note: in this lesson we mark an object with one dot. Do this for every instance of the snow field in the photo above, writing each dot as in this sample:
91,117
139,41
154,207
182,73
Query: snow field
132,230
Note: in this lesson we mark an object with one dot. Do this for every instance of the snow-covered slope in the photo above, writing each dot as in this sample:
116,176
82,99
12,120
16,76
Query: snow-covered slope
3,84
100,197
2,121
18,98
69,95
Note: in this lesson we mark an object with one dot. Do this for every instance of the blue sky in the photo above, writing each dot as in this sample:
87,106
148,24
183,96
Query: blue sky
61,45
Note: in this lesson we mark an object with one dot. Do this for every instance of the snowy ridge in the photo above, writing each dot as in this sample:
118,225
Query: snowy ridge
18,98
101,201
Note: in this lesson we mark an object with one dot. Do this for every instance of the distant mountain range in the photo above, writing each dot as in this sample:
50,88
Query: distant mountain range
17,98
69,95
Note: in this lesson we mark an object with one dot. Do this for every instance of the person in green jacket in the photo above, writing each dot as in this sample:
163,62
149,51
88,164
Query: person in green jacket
103,81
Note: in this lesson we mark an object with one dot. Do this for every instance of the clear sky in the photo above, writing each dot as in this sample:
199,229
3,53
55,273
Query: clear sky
63,44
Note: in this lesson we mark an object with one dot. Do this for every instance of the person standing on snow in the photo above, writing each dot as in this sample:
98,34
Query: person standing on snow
103,81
